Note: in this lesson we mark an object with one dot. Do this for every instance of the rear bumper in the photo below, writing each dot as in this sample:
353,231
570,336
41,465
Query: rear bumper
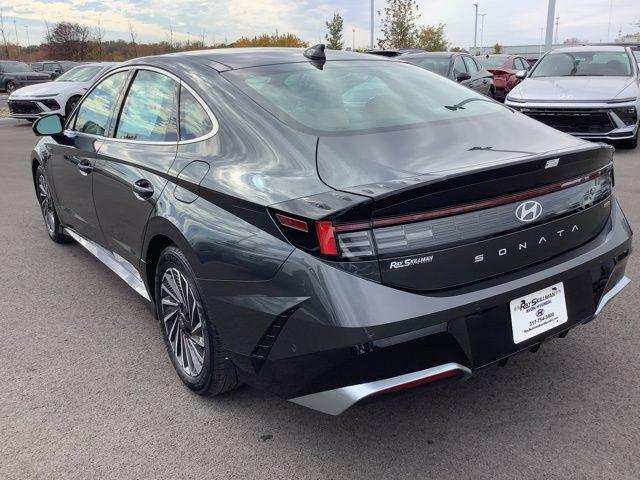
324,338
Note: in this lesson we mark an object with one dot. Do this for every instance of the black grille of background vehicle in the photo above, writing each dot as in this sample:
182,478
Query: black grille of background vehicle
50,103
573,121
24,107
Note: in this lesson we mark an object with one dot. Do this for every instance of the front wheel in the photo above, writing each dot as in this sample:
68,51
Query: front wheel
48,208
9,87
189,335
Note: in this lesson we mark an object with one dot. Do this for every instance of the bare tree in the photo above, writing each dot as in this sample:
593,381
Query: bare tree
170,37
133,35
4,35
68,40
99,36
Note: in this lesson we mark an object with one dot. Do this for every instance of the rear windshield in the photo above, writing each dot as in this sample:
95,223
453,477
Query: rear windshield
439,65
583,64
493,61
355,96
80,74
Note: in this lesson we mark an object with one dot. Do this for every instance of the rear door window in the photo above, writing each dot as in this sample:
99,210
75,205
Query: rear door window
149,110
95,112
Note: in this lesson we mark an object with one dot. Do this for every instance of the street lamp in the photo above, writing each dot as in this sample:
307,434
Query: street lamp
371,39
475,30
482,33
353,40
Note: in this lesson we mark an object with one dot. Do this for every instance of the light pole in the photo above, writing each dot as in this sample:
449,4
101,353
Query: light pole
551,10
26,27
371,39
353,40
482,33
15,27
475,30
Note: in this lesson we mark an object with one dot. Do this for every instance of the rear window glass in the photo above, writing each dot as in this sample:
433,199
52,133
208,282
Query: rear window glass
439,65
355,96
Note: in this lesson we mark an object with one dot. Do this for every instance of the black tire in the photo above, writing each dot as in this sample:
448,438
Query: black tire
48,208
71,104
9,86
217,374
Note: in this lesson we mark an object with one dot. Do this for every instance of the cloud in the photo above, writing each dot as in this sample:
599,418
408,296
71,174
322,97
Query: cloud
506,22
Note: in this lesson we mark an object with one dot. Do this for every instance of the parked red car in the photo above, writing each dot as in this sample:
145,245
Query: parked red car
504,68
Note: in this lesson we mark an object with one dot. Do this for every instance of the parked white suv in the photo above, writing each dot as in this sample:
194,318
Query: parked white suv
59,96
592,92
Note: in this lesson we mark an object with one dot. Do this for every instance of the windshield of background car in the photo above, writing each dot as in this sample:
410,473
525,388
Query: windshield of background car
16,67
493,61
439,65
79,74
583,64
357,96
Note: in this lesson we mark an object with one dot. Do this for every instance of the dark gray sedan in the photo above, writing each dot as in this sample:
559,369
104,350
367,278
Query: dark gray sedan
457,66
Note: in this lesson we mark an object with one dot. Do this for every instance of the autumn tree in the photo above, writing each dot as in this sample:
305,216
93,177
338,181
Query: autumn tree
431,38
497,48
334,34
398,25
458,49
4,36
273,40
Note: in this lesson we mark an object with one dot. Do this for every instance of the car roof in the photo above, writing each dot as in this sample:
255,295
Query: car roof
234,58
591,48
432,54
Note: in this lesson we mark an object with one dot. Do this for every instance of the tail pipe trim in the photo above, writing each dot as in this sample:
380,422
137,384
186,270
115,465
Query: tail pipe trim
336,401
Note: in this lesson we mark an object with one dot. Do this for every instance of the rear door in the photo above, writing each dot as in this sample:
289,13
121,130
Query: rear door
72,159
132,164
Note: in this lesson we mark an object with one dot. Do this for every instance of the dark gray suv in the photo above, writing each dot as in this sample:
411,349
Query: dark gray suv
18,74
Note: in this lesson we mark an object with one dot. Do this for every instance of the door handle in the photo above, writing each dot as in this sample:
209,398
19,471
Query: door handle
142,189
85,167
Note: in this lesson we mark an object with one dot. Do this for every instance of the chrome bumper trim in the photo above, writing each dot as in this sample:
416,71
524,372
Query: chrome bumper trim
115,262
336,401
607,297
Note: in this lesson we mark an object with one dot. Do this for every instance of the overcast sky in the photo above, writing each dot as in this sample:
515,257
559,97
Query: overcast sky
509,22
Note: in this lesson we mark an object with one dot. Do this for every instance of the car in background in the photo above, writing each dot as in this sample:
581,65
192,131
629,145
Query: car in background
504,69
457,66
394,52
59,96
54,68
15,74
532,59
592,92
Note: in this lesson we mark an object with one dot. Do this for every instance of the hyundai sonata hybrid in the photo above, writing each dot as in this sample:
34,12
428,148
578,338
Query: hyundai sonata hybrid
331,226
592,92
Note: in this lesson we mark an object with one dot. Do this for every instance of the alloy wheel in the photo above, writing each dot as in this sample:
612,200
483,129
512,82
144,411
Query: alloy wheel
10,87
182,317
46,204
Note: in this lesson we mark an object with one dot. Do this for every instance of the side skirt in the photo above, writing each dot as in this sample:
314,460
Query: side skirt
115,262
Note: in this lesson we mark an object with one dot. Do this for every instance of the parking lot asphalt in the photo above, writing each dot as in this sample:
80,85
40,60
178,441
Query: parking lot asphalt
87,390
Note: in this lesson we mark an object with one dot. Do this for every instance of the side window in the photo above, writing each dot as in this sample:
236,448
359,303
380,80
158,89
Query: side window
194,121
148,113
472,68
96,110
458,67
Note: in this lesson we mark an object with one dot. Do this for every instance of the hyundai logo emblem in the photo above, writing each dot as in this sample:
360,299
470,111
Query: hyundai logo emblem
529,211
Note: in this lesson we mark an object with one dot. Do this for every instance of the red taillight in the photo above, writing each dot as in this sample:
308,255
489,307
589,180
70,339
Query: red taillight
420,381
294,223
326,238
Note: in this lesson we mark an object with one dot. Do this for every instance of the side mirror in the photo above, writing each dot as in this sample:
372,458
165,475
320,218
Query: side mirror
48,125
521,74
462,76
